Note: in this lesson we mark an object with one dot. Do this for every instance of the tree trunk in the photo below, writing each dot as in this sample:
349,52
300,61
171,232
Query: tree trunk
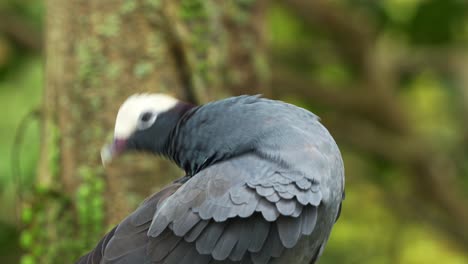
99,53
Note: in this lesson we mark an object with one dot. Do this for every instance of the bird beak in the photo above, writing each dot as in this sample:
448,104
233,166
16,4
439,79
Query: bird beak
112,150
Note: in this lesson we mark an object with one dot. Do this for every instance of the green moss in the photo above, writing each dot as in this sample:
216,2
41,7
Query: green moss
26,239
95,103
128,6
143,69
110,27
155,47
113,70
83,192
52,206
26,215
240,11
261,66
89,204
46,208
85,60
27,259
154,3
54,149
205,42
91,63
247,3
191,9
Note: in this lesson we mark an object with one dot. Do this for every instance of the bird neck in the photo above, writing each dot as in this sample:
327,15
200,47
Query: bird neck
206,135
168,123
171,149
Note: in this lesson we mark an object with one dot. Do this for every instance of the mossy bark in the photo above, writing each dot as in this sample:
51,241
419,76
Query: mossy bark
100,52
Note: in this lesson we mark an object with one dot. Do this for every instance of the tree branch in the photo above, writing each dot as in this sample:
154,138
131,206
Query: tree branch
367,103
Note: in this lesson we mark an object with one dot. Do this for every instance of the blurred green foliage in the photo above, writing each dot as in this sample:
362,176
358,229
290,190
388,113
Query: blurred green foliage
370,230
20,93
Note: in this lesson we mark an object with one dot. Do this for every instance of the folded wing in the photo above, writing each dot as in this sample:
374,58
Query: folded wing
247,208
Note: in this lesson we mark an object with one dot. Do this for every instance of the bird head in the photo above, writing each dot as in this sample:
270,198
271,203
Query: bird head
144,123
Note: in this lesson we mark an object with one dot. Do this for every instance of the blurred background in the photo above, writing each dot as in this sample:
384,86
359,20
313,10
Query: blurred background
389,79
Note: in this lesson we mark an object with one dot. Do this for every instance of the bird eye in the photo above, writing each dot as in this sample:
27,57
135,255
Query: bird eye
146,120
145,117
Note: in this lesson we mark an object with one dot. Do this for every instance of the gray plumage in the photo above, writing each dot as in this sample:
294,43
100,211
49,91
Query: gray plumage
266,183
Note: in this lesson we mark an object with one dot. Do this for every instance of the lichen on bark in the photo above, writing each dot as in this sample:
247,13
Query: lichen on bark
99,53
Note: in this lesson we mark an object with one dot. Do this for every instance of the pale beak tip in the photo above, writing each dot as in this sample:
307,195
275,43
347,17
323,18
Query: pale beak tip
106,155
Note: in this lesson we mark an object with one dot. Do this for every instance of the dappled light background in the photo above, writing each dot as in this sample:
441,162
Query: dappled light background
388,78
